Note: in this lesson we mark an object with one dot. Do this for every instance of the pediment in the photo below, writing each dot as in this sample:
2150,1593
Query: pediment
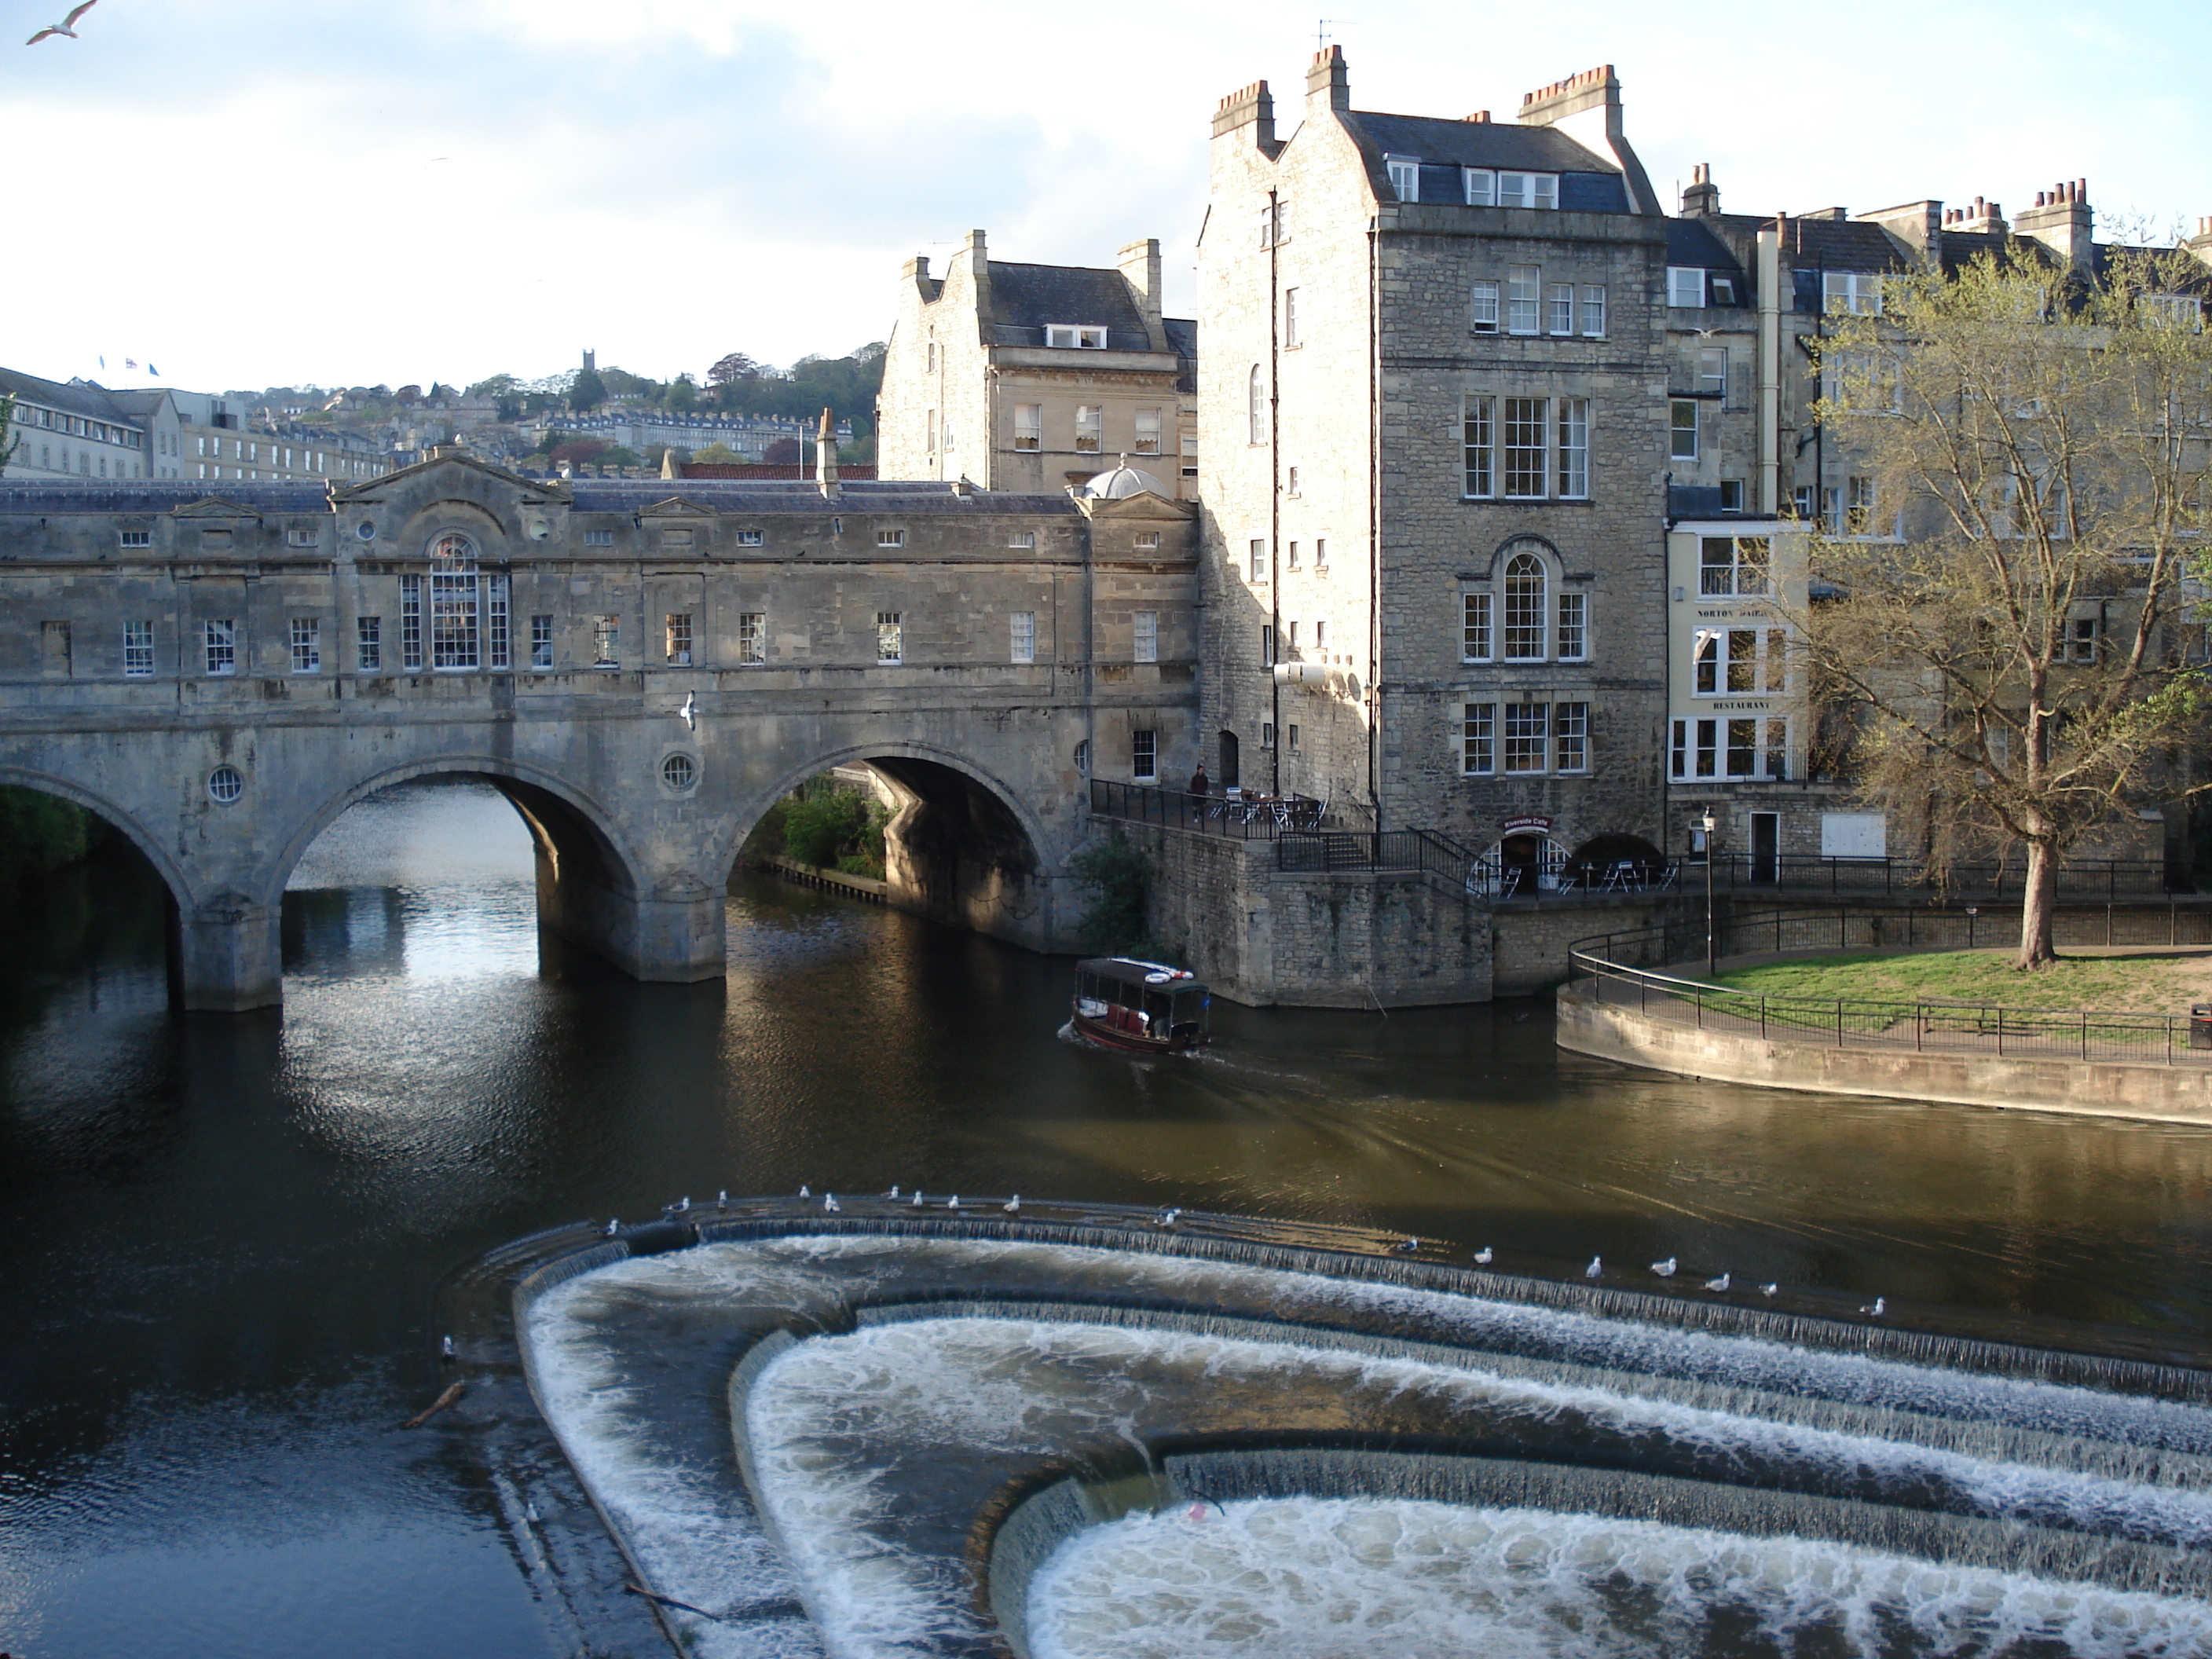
675,506
538,488
213,507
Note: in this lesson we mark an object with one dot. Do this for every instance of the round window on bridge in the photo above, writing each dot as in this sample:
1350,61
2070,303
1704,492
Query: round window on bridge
679,772
225,785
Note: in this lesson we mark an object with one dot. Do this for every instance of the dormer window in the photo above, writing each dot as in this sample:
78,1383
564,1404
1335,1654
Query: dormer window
1404,176
1074,337
1724,291
1858,292
1529,189
1686,285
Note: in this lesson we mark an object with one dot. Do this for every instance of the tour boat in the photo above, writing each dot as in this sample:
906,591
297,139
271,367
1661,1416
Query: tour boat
1146,1007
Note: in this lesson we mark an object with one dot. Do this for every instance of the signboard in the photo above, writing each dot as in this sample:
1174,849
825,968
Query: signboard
1532,821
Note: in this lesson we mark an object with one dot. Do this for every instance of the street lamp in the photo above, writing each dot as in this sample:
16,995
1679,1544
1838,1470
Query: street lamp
1710,824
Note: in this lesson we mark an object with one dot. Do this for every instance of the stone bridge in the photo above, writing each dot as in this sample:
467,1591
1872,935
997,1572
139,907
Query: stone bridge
220,668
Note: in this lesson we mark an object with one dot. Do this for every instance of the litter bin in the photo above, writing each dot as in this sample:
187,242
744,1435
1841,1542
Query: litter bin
2200,1024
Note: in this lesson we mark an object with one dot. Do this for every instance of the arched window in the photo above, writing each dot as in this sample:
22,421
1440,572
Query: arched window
468,611
1524,608
1257,396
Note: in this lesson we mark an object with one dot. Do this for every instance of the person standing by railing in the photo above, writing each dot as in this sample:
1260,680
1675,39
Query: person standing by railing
1199,785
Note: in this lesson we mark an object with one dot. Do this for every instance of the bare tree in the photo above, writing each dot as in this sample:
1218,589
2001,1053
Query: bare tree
2009,556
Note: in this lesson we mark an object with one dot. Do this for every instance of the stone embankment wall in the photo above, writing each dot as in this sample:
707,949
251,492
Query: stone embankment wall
2102,1089
1346,940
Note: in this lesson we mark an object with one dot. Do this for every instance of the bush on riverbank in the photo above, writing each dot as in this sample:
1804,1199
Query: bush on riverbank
41,834
2166,982
1118,879
828,826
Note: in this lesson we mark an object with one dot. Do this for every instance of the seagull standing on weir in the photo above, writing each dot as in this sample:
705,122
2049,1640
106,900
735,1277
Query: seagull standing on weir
67,26
1720,1284
1595,1267
1013,1205
1482,1256
1666,1269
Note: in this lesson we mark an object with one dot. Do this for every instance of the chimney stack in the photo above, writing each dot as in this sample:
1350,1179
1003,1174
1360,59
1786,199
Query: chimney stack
1250,106
2201,243
1703,198
825,457
2063,220
1328,79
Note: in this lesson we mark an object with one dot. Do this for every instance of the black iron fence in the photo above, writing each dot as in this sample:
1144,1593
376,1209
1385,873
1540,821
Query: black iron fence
1376,850
1239,818
1995,877
1617,968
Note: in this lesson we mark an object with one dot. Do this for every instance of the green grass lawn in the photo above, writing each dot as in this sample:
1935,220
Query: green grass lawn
2161,984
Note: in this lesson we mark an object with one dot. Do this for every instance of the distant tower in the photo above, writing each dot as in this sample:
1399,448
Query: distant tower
590,361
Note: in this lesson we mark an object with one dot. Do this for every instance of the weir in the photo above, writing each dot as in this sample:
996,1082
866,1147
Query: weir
1076,1431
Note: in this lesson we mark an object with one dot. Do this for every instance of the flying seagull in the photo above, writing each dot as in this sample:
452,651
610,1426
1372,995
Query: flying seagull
67,26
689,713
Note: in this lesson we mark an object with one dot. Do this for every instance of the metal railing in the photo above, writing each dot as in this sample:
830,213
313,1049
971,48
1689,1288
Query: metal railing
1607,970
1238,817
1995,877
1374,850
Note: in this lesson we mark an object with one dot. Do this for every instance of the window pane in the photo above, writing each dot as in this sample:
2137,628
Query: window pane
1481,187
1022,641
890,636
1478,752
1524,608
1479,441
1571,736
1594,310
1526,724
1560,306
1522,294
1147,635
1682,422
1476,607
1572,632
1486,308
1524,447
1574,447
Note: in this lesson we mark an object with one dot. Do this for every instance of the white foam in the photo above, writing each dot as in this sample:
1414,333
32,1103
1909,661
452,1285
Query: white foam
1314,1578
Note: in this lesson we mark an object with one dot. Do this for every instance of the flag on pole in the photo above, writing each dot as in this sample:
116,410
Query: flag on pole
130,363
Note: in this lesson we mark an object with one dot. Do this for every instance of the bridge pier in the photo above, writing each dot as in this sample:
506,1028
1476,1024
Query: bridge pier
228,956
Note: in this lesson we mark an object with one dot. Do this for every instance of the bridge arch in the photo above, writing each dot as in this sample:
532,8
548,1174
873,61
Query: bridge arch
181,889
964,846
568,828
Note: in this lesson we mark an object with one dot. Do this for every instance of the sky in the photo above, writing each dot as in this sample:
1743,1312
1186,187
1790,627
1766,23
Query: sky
259,192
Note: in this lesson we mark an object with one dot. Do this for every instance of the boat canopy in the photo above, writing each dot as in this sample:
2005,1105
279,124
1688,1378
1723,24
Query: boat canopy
1127,970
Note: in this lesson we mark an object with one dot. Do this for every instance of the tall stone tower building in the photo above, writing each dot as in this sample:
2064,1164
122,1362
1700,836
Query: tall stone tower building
1436,467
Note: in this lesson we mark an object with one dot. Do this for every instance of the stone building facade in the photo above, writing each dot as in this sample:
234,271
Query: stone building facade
1031,378
1435,478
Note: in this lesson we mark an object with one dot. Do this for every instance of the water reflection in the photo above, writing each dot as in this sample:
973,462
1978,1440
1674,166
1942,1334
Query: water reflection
220,1234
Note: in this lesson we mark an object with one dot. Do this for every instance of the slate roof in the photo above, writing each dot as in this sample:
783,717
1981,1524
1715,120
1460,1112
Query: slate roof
1691,242
93,402
157,496
1025,297
1479,143
745,498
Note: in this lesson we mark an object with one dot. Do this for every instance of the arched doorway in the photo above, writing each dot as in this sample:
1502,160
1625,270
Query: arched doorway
1521,864
1231,775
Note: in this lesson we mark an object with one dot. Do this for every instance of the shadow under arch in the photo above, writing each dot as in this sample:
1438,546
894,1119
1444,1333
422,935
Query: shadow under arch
587,882
181,893
961,847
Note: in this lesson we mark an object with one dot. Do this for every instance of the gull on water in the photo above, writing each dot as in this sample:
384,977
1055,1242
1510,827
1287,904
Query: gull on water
1595,1267
1483,1255
1167,1217
1665,1269
1720,1284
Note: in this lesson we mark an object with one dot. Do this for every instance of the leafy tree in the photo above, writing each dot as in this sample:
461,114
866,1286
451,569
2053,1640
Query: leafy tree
580,452
718,455
784,452
505,390
39,834
683,394
2032,455
615,455
733,369
586,390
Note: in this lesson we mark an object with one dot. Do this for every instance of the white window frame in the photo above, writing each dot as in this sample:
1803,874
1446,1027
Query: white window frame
678,639
1540,191
1144,756
1479,449
541,641
1524,617
137,649
1478,755
1483,314
1075,337
1686,287
1559,310
1508,469
1678,429
1404,176
1570,737
1145,636
1021,636
1023,541
1478,634
219,639
1524,299
890,538
1480,185
1290,337
307,633
1090,429
1571,435
1147,440
1855,293
1029,426
752,638
890,638
1256,554
1570,638
1524,735
1713,369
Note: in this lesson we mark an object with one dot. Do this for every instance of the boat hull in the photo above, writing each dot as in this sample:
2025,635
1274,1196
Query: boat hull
1131,1042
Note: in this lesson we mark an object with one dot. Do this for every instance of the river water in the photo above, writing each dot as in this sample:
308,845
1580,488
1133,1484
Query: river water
221,1236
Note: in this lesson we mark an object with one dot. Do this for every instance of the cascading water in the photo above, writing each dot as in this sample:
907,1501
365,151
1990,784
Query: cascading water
1076,1436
